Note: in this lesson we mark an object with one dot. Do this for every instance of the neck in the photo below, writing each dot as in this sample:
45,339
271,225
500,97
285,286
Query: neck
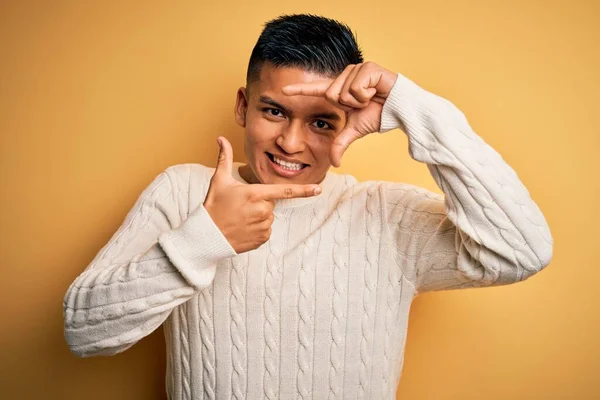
247,174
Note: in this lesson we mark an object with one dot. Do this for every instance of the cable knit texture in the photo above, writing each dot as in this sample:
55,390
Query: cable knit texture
321,309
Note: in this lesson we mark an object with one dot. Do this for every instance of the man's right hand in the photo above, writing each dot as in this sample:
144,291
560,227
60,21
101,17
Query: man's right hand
244,212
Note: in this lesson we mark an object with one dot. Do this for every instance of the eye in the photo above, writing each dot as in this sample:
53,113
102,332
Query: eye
322,124
273,111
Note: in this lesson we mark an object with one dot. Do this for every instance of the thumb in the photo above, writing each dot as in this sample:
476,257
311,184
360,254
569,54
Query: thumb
225,161
340,144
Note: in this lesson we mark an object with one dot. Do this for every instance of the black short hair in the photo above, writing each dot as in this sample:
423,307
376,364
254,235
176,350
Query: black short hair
310,42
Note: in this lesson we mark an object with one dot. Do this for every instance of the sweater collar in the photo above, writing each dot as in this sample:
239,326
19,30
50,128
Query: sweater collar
326,185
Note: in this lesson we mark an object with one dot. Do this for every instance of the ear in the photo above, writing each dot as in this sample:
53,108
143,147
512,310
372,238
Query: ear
241,107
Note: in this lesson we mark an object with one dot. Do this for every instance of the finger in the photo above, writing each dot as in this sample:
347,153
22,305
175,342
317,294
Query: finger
333,93
363,95
278,191
265,226
315,88
264,230
225,161
362,87
267,220
260,211
347,98
340,145
325,88
318,89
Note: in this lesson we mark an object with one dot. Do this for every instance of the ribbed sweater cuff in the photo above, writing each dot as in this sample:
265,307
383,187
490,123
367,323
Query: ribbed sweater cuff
403,93
195,247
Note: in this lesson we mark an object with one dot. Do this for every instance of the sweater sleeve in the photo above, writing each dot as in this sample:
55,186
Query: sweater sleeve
150,265
485,229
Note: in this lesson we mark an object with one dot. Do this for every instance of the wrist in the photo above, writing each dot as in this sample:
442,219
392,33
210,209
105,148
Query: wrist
387,80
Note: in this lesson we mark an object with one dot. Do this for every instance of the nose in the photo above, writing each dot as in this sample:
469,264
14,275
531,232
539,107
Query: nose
292,139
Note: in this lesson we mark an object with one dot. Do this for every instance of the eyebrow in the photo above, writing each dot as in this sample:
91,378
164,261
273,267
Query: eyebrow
327,115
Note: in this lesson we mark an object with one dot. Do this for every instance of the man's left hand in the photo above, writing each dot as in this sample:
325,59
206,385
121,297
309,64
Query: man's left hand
361,91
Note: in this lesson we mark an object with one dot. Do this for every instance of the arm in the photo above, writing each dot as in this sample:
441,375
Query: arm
148,267
486,230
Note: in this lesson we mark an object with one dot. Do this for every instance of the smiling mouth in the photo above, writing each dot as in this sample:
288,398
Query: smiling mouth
285,164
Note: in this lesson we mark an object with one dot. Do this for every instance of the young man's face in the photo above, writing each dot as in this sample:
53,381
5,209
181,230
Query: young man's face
288,138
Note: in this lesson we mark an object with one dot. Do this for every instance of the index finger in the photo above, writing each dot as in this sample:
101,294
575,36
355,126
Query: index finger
315,88
278,191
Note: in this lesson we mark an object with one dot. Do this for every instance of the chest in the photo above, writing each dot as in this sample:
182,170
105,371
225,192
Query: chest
336,261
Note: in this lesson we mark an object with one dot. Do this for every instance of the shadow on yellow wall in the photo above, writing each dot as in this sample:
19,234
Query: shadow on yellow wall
95,100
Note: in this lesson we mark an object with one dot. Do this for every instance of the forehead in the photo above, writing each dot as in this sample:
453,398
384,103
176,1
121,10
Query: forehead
273,78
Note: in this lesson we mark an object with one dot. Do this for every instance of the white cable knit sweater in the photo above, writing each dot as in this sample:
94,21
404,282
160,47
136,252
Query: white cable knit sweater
320,310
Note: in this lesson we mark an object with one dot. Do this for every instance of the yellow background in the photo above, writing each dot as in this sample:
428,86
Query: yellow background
96,98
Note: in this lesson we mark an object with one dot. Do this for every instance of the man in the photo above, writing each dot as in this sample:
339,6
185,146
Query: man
280,279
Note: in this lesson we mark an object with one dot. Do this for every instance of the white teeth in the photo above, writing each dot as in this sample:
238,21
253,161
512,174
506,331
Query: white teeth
287,165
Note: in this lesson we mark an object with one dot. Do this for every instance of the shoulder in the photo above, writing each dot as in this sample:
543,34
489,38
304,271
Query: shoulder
189,184
184,175
394,194
189,180
403,192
